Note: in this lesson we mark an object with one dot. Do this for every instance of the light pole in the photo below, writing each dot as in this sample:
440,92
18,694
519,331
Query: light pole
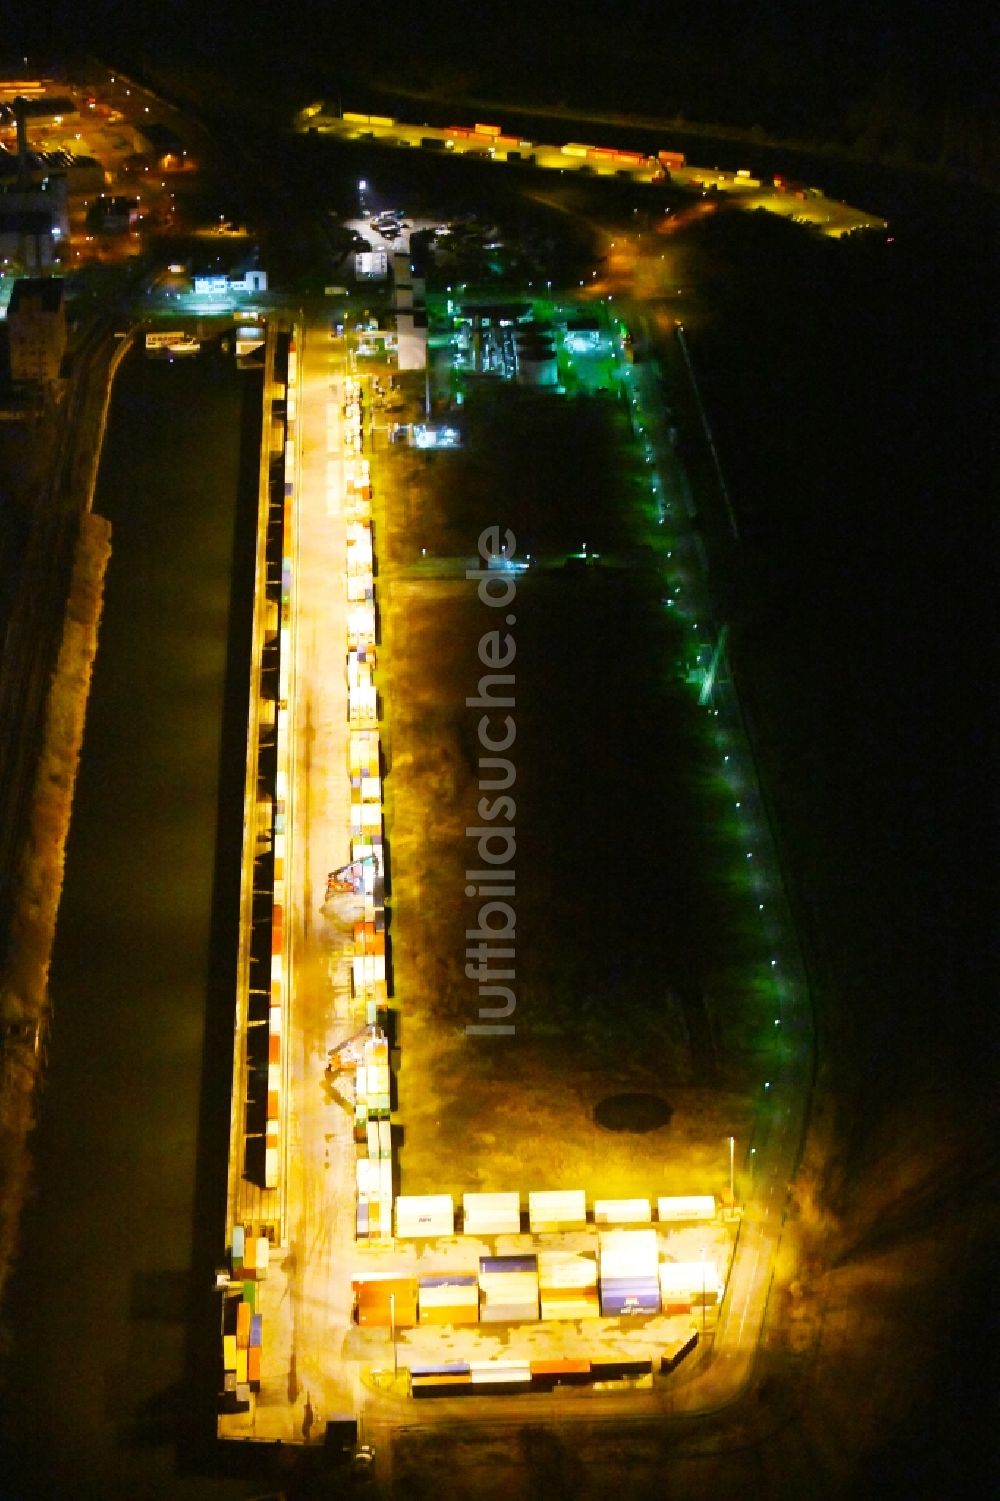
392,1328
732,1191
703,1289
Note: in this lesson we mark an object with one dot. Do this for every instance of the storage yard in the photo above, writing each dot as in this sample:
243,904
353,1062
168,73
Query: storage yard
521,1183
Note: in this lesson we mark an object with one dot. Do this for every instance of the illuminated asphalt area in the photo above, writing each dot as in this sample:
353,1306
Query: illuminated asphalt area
318,1364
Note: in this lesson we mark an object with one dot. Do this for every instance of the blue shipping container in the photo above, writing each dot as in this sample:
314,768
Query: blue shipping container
491,1264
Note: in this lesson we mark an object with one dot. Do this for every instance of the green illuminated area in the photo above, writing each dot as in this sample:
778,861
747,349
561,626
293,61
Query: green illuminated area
643,958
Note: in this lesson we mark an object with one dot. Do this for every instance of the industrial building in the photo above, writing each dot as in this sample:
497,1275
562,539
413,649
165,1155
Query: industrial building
411,314
36,323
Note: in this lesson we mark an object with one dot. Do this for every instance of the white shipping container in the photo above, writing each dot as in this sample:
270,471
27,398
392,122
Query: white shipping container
562,1269
622,1212
508,1313
367,970
486,1373
362,703
631,1254
425,1214
508,1284
491,1214
360,589
562,1209
452,1295
686,1207
385,1141
687,1278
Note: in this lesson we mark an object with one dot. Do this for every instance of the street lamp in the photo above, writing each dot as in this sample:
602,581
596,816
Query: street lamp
732,1149
703,1289
392,1327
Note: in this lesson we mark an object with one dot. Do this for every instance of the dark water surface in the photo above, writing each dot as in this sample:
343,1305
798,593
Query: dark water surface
115,1268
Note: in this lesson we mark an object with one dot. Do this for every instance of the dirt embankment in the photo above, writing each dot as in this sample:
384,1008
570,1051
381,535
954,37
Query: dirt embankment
24,1001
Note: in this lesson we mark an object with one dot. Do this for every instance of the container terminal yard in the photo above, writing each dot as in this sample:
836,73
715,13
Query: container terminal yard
343,1295
379,1260
371,1295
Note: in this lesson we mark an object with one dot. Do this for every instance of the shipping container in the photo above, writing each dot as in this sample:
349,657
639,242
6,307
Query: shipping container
696,1207
253,1366
256,1330
628,1253
238,1244
241,1367
564,1209
449,1313
672,1357
379,1299
622,1212
243,1317
566,1269
546,1374
681,1280
491,1214
615,1368
229,1352
425,1215
569,1303
498,1265
441,1386
624,1299
493,1372
507,1313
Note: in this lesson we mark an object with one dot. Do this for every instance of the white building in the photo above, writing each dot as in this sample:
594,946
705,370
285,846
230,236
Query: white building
36,323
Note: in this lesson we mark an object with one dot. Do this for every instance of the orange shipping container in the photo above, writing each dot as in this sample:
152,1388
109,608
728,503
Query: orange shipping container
560,1367
243,1327
373,1296
253,1364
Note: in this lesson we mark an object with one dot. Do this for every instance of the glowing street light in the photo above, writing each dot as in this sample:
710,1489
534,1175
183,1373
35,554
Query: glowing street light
703,1289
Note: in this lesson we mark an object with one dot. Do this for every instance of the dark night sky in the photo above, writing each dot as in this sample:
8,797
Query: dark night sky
769,63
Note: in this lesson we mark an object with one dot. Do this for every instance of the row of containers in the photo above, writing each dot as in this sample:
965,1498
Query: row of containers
427,1216
499,1377
373,1137
265,1004
625,1278
242,1322
364,877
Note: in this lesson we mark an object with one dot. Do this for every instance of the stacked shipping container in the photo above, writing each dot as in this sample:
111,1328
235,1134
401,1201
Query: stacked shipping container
242,1324
629,1272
